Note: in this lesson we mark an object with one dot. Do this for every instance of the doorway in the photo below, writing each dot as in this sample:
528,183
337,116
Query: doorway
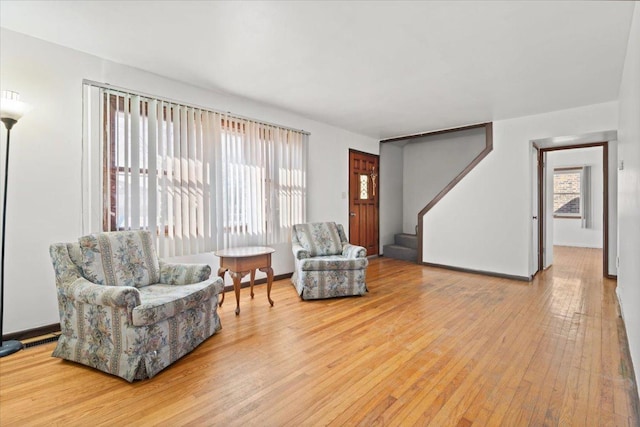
545,212
364,185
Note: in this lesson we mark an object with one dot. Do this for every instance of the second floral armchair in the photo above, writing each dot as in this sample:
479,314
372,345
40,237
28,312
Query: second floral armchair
326,264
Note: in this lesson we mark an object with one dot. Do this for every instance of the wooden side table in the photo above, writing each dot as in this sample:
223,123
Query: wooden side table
242,261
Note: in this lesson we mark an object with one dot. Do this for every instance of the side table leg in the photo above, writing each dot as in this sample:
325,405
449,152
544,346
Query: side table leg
221,272
269,272
236,287
253,278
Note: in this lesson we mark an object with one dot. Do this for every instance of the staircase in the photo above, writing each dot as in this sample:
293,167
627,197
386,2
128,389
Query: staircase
405,247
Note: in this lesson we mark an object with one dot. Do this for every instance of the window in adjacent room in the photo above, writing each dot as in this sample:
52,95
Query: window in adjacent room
567,189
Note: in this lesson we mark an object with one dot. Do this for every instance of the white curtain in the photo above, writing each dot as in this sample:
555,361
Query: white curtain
288,177
202,180
243,162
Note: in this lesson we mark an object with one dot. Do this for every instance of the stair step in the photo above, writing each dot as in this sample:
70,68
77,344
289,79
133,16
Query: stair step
400,252
407,240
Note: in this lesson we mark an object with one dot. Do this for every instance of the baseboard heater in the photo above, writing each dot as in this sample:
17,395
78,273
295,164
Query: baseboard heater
35,341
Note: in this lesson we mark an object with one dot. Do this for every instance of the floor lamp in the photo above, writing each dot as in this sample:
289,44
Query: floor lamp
11,109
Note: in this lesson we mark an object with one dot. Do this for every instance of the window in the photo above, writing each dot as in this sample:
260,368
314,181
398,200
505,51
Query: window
567,189
118,186
202,180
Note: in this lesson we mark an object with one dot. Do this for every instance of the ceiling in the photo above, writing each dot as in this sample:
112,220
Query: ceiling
378,68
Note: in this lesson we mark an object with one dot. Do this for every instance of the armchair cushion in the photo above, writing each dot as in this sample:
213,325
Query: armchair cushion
121,258
319,238
333,262
162,301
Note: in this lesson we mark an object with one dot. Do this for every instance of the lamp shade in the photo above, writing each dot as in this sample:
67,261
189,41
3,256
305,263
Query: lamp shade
11,107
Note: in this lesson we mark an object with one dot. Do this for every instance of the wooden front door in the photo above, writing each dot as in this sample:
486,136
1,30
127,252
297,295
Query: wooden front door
364,185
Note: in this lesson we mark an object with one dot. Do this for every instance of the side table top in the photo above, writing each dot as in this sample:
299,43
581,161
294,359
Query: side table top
243,252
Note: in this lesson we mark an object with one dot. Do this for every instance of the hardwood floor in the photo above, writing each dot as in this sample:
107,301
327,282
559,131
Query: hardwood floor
424,346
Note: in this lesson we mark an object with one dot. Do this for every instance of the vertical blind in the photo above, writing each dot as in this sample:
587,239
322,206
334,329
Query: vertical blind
202,180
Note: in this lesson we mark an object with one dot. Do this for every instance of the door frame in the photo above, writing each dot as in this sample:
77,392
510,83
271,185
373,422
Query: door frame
349,195
605,201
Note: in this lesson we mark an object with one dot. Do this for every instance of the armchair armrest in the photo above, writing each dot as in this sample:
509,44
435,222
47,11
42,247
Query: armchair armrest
353,251
84,291
183,274
299,252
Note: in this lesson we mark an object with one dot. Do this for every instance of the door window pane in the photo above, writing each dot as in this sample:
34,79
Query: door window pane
364,187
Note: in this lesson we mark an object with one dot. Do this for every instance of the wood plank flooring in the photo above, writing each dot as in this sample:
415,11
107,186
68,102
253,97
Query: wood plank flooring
425,346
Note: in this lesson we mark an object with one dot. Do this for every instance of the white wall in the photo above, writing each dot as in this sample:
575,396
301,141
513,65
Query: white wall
569,231
484,223
629,192
432,162
44,203
390,193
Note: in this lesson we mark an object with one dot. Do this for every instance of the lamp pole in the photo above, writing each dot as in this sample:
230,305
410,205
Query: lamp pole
11,109
11,346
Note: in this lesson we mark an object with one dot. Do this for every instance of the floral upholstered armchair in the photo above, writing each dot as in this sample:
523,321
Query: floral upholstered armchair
326,265
124,311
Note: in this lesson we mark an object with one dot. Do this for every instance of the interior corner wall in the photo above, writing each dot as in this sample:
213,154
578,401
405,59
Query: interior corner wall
484,223
569,231
613,207
430,164
390,193
44,197
628,288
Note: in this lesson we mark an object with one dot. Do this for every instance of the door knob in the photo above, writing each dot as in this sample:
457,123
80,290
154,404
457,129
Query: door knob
352,214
